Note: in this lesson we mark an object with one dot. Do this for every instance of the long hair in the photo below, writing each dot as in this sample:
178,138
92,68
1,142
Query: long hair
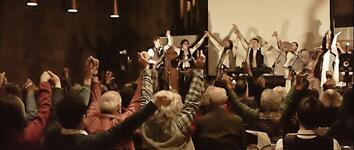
13,121
166,115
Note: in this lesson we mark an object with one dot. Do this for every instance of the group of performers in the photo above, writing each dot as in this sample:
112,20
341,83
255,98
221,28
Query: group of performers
320,62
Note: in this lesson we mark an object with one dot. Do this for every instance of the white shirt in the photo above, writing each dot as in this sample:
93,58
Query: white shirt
254,62
72,131
306,134
151,51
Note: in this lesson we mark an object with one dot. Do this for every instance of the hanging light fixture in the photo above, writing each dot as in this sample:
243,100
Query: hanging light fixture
73,7
32,3
115,9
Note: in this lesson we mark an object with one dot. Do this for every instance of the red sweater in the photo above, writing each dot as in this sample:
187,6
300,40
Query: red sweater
35,128
97,121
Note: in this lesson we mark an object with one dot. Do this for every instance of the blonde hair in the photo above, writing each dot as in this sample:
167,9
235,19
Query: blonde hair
331,98
270,100
166,115
281,91
111,101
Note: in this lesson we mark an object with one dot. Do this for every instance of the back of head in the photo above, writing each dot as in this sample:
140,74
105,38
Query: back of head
166,115
12,118
331,98
111,102
12,89
240,87
308,112
270,100
281,91
71,110
215,96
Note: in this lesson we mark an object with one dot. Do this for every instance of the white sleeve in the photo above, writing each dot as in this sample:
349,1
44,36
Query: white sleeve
169,43
279,145
336,145
151,52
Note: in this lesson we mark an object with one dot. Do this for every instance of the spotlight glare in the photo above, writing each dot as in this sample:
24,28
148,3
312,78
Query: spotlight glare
33,4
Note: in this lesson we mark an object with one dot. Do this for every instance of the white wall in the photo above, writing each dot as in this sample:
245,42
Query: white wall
304,21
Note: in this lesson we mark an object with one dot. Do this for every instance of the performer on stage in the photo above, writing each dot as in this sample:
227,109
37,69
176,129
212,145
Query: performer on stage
255,53
184,60
329,60
156,59
226,51
157,52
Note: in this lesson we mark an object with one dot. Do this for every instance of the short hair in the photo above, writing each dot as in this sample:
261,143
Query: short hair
255,39
281,91
331,98
215,96
184,40
111,100
308,112
70,110
155,38
270,100
240,87
297,44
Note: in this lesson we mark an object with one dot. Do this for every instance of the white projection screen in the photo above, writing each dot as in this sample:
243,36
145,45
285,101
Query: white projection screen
303,21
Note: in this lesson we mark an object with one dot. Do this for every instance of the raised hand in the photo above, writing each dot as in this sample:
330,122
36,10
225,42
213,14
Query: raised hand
91,68
55,79
226,80
29,86
66,72
3,79
45,77
108,76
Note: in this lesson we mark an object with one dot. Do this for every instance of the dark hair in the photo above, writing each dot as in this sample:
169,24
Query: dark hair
155,38
241,87
12,120
70,110
297,44
255,39
184,40
231,44
308,111
12,89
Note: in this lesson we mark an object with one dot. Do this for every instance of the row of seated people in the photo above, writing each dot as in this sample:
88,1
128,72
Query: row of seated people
209,117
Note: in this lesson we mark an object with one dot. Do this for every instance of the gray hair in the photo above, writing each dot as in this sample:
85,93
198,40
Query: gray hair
111,101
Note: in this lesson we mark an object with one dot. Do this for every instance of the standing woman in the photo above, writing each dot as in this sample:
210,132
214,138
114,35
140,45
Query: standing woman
184,62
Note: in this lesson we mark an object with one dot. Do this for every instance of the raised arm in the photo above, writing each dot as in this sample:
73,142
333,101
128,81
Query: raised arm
147,83
169,40
241,109
35,128
334,43
273,42
192,101
196,46
134,104
94,108
214,41
31,104
240,38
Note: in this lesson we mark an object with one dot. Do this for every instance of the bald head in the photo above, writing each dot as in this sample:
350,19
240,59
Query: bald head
111,102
